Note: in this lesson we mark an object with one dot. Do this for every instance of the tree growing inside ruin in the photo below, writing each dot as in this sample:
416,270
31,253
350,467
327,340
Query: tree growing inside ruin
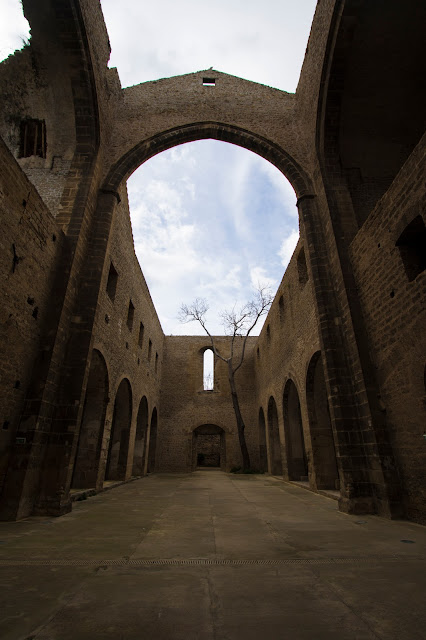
238,324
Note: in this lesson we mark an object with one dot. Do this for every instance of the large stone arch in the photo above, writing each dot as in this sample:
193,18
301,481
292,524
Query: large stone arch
233,134
263,451
152,446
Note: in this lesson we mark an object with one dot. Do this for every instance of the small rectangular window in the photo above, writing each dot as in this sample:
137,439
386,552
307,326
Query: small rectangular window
149,350
156,362
33,138
130,315
112,282
302,268
141,332
209,82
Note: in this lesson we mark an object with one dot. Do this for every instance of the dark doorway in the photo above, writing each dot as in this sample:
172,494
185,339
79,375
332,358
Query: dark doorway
295,442
263,453
275,460
208,447
86,464
323,449
120,432
140,439
152,442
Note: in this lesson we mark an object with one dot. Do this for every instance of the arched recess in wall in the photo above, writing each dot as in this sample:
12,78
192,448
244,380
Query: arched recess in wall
263,452
275,460
323,449
295,442
152,451
366,130
86,463
120,433
209,447
139,455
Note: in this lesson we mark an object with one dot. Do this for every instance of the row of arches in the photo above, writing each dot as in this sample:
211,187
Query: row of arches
288,455
101,449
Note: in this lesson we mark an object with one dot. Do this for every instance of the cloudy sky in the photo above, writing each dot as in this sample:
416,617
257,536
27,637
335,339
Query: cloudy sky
209,219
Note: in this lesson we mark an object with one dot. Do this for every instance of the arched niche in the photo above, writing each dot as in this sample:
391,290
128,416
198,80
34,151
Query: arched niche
87,459
139,453
152,451
120,432
208,447
263,452
323,448
275,460
295,442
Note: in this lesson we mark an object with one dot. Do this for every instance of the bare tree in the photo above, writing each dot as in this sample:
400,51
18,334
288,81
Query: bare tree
238,323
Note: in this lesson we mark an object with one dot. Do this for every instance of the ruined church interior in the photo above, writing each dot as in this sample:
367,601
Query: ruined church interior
109,434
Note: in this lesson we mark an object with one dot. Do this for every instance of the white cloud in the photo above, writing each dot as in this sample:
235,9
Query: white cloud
287,247
260,278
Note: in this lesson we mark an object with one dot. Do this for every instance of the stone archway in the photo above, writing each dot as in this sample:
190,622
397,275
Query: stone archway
275,460
152,451
120,432
208,447
86,463
263,452
295,442
323,449
139,454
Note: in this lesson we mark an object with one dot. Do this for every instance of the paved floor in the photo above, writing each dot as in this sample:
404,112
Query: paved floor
211,556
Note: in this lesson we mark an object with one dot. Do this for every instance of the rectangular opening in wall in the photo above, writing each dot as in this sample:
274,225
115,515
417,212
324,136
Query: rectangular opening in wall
33,138
130,315
149,350
141,332
111,287
209,82
156,362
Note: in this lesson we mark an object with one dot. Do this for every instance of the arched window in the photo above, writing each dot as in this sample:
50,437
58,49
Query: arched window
208,370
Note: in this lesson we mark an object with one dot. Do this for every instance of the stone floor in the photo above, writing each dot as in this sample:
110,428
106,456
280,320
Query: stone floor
211,556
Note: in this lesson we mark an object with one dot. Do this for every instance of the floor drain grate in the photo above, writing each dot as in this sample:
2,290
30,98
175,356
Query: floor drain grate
166,562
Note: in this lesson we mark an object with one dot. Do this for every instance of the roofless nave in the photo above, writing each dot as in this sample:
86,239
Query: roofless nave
92,391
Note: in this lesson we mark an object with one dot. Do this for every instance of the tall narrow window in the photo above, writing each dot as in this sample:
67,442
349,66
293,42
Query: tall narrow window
149,350
156,362
302,267
141,332
208,370
112,282
130,315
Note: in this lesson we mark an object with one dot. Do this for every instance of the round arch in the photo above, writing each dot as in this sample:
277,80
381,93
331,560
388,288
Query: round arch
263,147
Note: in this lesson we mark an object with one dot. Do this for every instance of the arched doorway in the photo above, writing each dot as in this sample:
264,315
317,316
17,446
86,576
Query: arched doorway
208,447
275,460
86,463
323,449
120,432
263,453
295,442
140,439
152,441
